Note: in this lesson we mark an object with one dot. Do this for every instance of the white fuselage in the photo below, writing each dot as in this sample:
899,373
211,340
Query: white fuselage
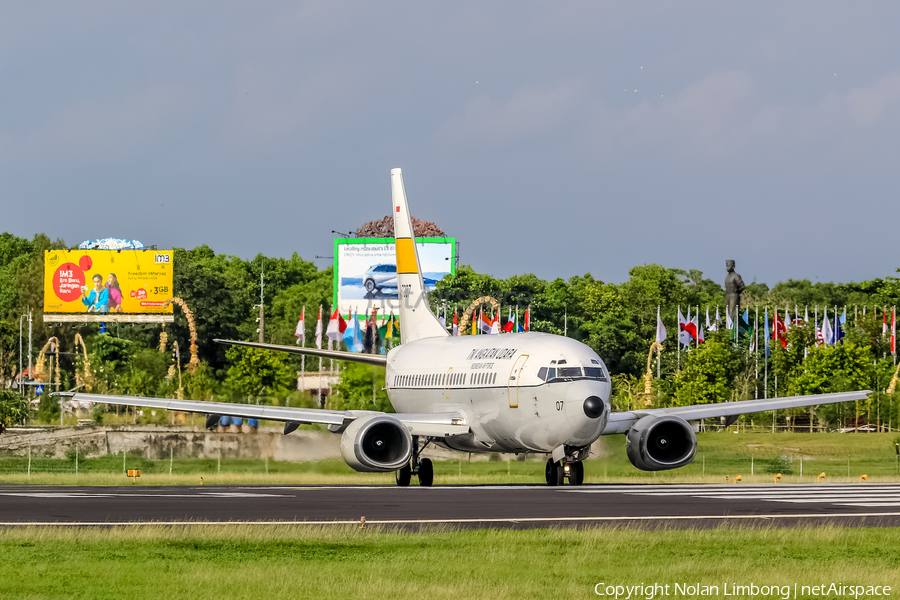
503,386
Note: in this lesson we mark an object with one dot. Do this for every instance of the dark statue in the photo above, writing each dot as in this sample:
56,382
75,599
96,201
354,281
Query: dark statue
734,286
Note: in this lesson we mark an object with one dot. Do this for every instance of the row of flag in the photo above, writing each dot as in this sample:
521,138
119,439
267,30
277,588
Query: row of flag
691,331
371,337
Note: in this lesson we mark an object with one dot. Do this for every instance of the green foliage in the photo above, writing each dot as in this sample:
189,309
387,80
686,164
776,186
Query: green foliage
709,372
13,408
356,387
256,373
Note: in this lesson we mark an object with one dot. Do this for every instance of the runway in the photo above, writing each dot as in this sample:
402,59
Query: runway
520,506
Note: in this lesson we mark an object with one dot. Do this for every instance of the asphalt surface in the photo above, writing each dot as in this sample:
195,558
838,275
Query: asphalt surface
521,506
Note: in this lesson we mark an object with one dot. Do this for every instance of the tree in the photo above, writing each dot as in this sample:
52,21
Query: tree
256,373
356,387
709,372
13,408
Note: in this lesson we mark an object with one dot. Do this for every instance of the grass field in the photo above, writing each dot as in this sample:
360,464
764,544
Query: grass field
204,561
756,457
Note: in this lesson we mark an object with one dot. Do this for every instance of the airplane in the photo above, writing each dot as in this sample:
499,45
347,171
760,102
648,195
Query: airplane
532,392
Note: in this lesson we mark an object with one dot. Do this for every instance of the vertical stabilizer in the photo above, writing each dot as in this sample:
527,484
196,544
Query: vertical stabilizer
416,318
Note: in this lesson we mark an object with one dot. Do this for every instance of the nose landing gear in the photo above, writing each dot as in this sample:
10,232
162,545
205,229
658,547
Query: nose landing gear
421,467
556,473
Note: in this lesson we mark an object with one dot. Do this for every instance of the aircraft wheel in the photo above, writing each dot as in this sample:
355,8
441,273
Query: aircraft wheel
553,473
404,475
426,472
576,473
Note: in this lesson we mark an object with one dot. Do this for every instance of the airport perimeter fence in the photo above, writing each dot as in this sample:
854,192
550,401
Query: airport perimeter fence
760,467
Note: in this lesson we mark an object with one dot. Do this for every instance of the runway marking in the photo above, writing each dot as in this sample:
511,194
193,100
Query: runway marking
141,495
457,521
839,494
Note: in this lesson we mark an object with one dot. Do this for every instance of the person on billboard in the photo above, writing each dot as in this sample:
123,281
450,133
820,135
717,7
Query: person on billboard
98,299
115,293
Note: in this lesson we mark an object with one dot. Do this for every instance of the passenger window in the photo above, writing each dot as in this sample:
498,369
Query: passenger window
542,373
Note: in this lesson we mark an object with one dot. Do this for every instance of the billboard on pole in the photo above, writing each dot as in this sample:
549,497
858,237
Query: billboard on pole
365,271
107,285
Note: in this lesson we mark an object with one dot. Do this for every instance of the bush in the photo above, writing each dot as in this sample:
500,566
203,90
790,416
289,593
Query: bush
13,408
779,465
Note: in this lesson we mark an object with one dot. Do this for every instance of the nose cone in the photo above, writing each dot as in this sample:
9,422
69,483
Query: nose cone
594,407
586,410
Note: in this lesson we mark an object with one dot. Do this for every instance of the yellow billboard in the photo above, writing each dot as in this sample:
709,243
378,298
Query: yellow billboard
108,281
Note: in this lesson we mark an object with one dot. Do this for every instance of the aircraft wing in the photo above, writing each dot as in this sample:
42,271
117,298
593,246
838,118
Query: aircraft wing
620,422
369,359
431,425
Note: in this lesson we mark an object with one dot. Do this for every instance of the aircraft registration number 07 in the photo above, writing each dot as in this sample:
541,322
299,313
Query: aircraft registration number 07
559,404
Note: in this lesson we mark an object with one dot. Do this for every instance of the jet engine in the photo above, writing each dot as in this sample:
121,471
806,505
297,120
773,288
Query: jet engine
376,444
660,442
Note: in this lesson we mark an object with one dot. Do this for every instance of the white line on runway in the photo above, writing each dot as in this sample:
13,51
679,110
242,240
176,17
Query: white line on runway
459,521
141,495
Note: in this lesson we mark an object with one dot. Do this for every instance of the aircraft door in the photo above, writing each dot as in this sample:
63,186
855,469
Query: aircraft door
512,386
448,378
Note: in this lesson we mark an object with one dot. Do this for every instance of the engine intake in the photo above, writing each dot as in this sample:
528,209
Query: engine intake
376,444
658,443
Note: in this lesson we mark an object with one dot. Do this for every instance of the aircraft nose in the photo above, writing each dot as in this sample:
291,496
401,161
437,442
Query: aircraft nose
593,407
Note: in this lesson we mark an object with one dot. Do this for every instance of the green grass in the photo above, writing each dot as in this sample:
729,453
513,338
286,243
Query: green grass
719,455
203,561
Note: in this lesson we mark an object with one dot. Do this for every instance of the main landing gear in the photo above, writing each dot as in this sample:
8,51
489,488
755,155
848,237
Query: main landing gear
556,473
421,467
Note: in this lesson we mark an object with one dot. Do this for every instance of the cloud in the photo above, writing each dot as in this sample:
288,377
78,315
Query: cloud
99,129
867,105
527,112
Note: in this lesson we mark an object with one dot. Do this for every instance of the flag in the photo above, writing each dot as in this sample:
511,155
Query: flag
336,326
660,328
686,330
510,324
707,319
838,330
894,331
495,322
787,318
766,336
701,335
827,333
715,324
752,330
778,330
884,327
300,331
319,330
443,319
353,334
528,318
474,323
729,324
455,324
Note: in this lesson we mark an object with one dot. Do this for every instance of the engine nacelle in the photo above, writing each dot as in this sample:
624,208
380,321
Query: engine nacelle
376,444
660,442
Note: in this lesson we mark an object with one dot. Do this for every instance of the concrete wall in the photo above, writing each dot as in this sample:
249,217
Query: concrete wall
155,442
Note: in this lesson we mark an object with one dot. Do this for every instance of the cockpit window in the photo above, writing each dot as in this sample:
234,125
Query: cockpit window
542,373
570,371
594,373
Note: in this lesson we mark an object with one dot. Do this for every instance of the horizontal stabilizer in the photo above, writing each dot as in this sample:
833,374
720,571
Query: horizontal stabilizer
369,359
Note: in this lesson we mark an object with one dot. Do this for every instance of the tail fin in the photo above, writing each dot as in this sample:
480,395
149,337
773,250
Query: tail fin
416,318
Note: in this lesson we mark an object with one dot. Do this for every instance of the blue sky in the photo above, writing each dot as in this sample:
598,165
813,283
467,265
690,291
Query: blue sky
554,138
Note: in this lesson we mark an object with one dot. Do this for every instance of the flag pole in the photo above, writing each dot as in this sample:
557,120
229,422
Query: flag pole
756,354
678,338
766,362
